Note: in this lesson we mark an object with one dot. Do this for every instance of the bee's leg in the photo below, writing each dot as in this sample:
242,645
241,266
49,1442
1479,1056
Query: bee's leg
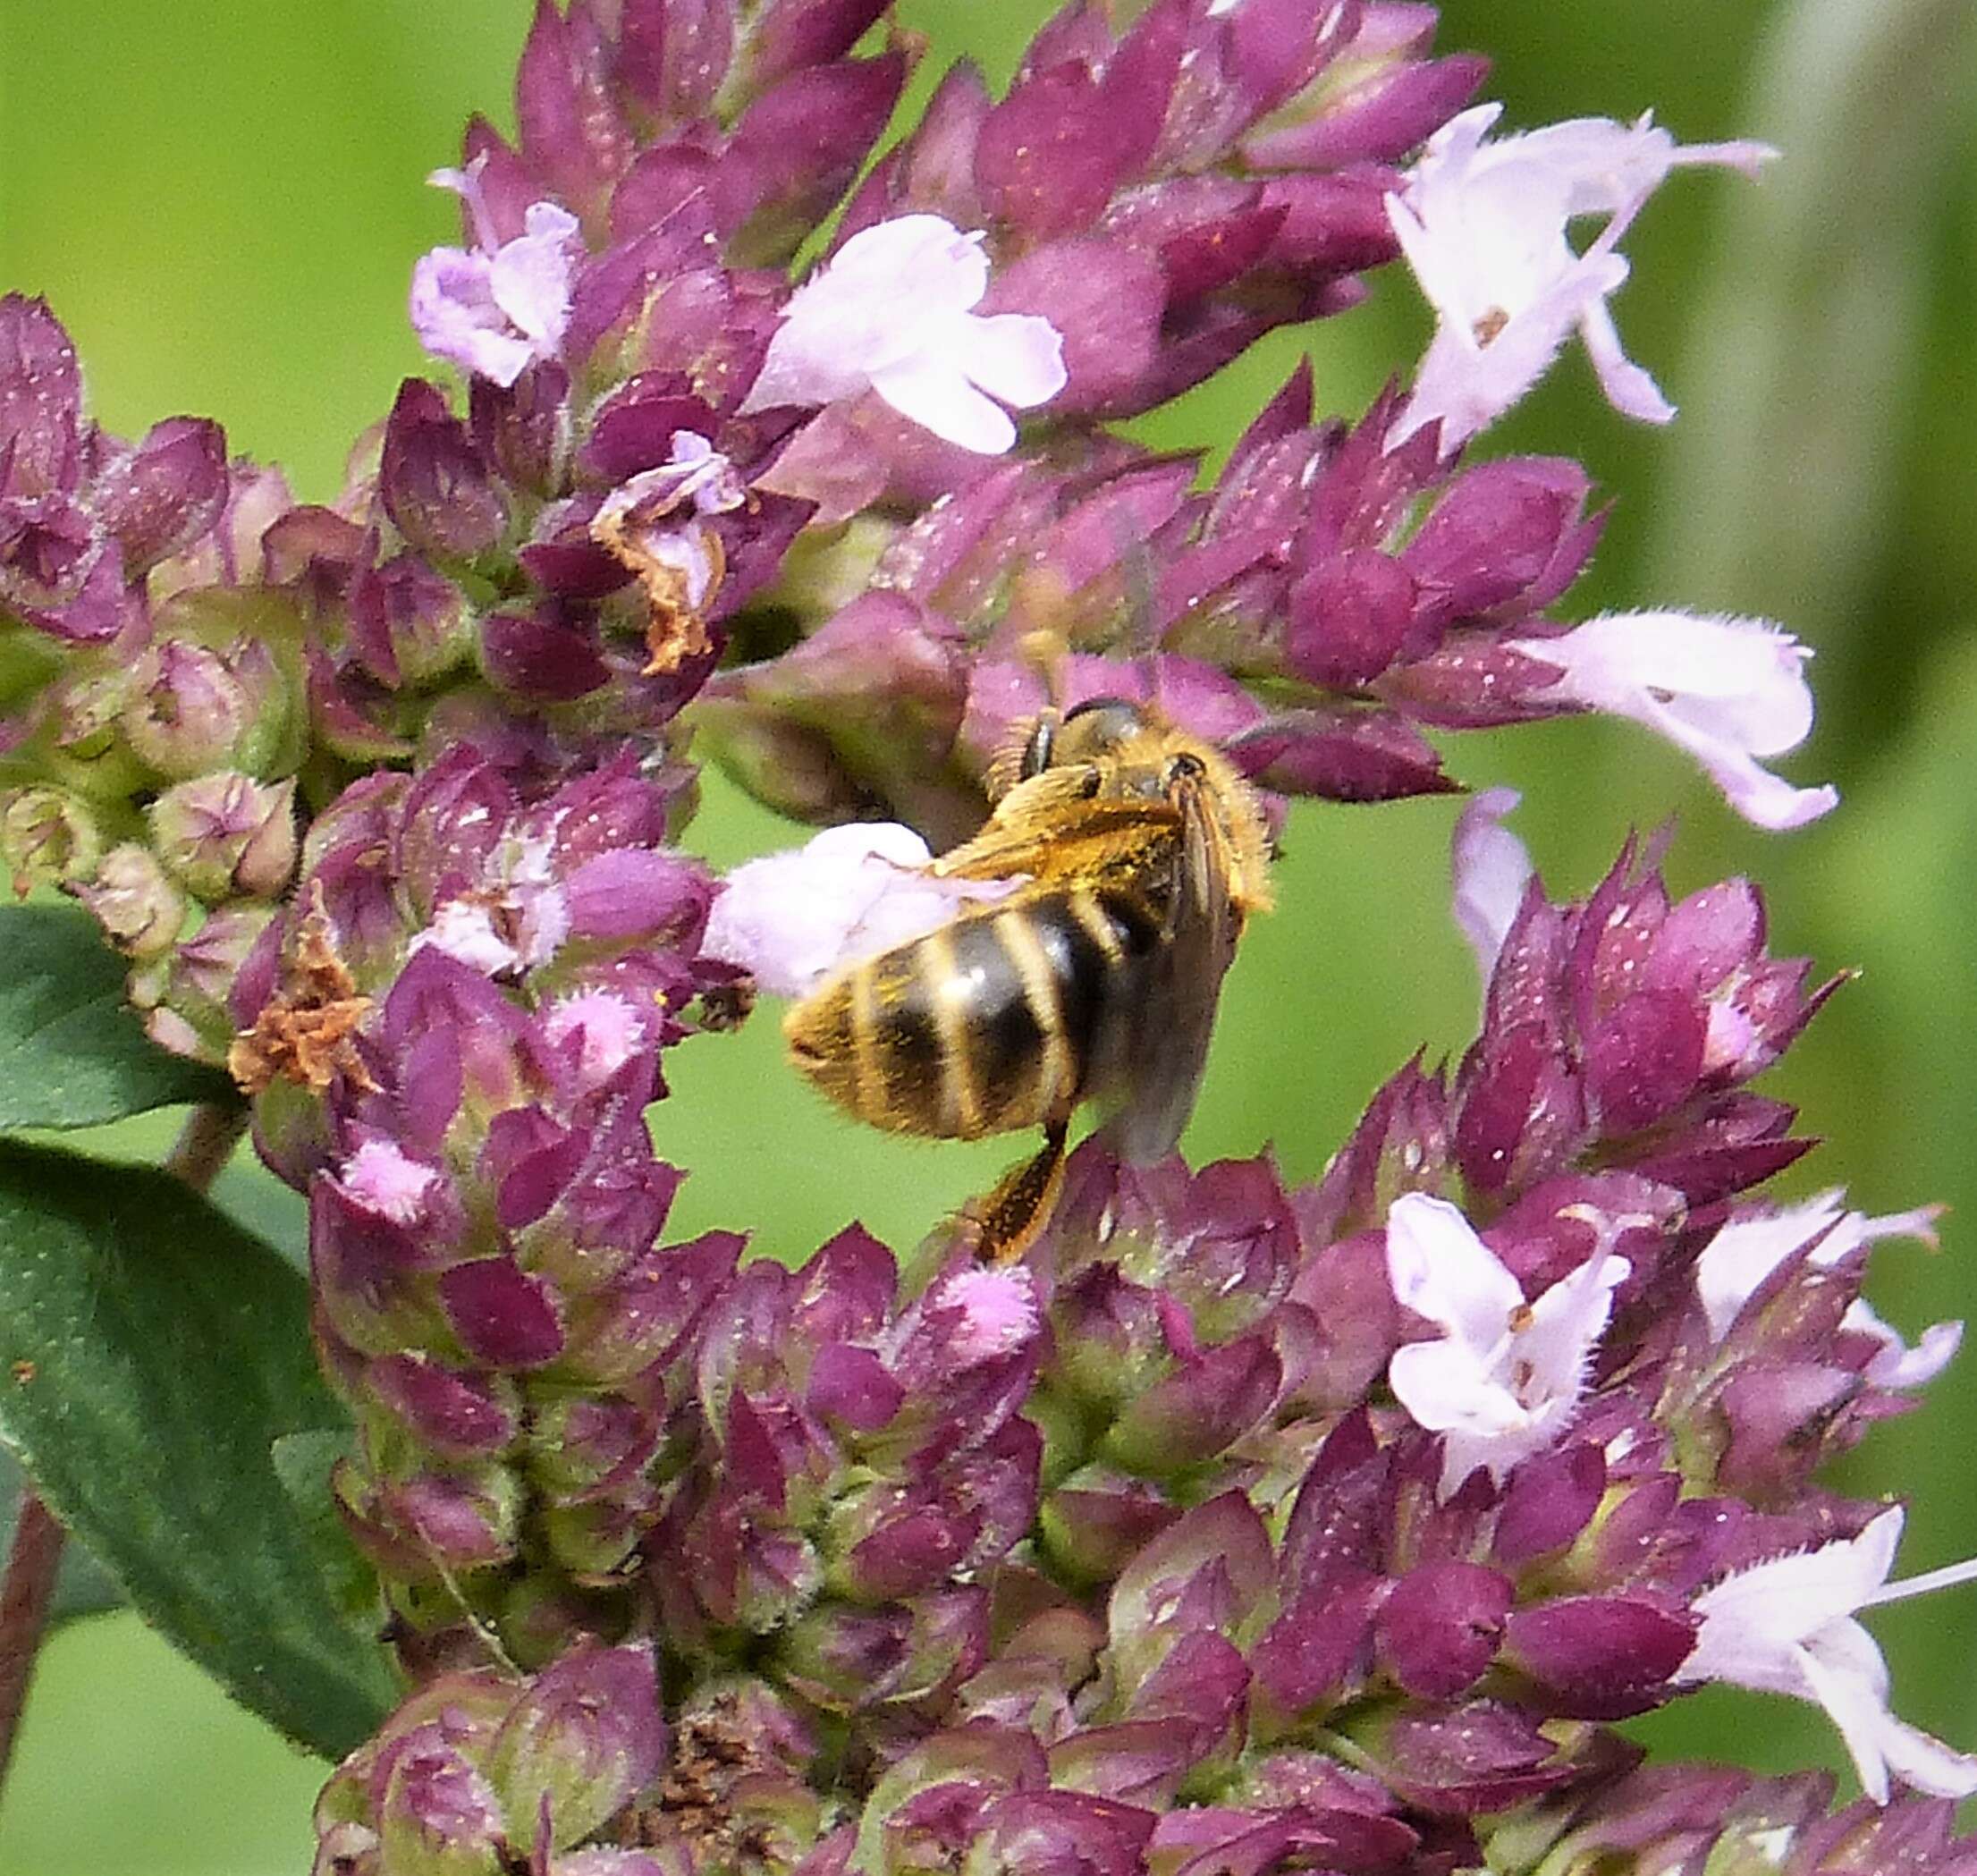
1008,1219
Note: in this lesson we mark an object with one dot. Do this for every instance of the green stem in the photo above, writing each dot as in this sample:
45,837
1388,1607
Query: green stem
27,1587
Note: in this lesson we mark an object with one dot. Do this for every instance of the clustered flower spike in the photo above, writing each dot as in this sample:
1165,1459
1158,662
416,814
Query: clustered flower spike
1238,1528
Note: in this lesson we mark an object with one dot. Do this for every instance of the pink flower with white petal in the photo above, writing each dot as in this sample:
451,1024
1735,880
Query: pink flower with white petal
789,919
1491,869
890,312
1787,1626
1727,691
497,307
1738,1262
1507,1376
1483,226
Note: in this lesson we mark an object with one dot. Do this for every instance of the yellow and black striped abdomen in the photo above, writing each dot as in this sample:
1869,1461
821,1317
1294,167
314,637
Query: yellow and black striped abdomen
1005,1016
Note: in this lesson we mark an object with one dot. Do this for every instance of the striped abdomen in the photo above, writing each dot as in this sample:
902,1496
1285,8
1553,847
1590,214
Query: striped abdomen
1001,1020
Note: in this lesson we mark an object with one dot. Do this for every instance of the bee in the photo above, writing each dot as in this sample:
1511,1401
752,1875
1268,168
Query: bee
1139,853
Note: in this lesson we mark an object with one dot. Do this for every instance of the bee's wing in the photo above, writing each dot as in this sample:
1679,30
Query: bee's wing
1184,982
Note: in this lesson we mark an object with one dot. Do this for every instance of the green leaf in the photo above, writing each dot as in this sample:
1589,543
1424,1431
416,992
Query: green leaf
72,1052
302,1462
82,1587
151,1354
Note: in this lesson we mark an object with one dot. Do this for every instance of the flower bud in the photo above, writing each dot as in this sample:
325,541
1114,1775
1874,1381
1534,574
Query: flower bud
190,1016
139,907
47,836
409,624
433,481
580,1745
210,693
439,1815
224,833
159,497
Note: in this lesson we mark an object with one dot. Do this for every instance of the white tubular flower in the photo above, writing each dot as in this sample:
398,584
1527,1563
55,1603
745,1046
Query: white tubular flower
1787,1626
1508,1376
1737,1262
1483,226
890,312
1727,691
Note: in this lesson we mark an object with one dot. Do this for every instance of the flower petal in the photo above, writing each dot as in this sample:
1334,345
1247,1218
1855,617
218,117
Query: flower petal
1565,1322
1443,1387
1736,1264
1442,1270
1017,357
852,893
1895,1364
932,393
1491,869
1630,390
1858,1711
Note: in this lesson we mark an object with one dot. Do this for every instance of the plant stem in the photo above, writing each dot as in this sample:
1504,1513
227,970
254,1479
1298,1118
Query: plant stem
27,1592
204,1144
27,1587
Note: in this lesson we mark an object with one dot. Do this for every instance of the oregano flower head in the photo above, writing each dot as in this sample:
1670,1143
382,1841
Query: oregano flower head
1238,1525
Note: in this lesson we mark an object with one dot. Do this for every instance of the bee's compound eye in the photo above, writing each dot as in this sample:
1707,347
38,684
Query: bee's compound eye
1184,767
1097,727
1037,750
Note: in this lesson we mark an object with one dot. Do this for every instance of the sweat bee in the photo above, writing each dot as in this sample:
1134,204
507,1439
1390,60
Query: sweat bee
1139,852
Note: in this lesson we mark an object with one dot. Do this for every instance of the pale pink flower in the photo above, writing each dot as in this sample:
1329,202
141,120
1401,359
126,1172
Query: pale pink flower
1483,226
1737,1262
1786,1626
495,308
1506,1377
1727,691
997,1313
789,919
890,312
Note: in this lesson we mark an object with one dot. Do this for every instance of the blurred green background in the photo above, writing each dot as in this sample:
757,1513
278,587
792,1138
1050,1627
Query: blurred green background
223,199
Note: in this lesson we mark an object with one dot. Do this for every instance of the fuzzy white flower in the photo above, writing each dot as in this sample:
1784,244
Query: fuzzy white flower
1737,1262
1483,226
1787,1626
1725,690
1506,1377
602,1029
892,312
996,1313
